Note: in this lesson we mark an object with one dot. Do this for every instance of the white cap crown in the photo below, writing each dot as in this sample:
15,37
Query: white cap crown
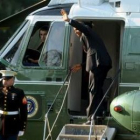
7,73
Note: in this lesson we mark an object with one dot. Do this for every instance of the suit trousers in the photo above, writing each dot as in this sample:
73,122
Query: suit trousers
96,81
12,137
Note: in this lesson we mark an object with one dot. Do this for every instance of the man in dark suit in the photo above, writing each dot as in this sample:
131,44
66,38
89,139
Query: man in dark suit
98,62
13,108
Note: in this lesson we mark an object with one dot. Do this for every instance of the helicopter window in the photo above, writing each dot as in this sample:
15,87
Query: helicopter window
134,41
36,44
52,53
12,48
9,56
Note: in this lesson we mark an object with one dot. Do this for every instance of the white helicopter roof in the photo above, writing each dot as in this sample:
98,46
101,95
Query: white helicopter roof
56,2
108,10
117,5
103,11
124,10
94,2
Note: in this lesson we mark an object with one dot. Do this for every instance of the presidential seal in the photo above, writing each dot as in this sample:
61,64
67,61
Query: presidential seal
32,106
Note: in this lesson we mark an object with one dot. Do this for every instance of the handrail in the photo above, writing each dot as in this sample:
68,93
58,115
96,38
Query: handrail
92,118
46,115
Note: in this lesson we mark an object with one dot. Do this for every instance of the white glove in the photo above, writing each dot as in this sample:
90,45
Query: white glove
20,133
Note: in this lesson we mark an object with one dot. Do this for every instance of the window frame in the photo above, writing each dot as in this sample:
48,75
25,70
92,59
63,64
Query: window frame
12,42
41,63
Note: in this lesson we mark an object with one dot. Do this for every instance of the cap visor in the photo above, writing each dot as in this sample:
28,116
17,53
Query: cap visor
7,77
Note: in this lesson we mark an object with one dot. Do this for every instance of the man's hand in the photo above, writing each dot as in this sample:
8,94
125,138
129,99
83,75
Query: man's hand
20,133
64,15
32,60
76,67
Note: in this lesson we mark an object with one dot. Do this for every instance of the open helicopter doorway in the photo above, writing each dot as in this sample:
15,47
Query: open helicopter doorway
111,32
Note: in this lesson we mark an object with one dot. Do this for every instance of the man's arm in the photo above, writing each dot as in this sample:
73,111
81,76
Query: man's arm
81,27
32,60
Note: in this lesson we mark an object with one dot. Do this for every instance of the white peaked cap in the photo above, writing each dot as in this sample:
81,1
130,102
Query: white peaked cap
7,73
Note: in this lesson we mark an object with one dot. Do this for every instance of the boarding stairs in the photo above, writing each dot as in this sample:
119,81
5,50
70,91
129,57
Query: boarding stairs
81,132
77,131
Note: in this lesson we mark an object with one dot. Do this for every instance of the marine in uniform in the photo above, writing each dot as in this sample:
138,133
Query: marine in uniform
13,108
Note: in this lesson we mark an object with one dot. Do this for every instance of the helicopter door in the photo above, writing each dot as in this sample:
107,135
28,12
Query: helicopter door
131,56
10,54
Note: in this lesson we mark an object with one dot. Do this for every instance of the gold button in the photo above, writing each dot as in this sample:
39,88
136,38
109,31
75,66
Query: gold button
4,108
5,101
4,104
5,113
5,97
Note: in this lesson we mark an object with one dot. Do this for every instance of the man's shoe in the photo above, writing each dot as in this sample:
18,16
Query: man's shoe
87,123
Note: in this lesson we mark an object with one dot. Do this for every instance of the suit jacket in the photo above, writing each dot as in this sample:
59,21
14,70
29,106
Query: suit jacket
14,100
97,54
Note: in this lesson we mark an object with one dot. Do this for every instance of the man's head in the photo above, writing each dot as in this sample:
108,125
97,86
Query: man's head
43,31
8,77
79,33
88,23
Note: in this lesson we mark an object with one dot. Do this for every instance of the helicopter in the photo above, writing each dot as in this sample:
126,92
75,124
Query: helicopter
117,23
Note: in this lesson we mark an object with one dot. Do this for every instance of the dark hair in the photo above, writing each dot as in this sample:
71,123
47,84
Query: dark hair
44,28
88,23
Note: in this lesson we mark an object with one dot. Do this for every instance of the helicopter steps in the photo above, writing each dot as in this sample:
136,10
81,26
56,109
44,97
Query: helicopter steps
81,132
